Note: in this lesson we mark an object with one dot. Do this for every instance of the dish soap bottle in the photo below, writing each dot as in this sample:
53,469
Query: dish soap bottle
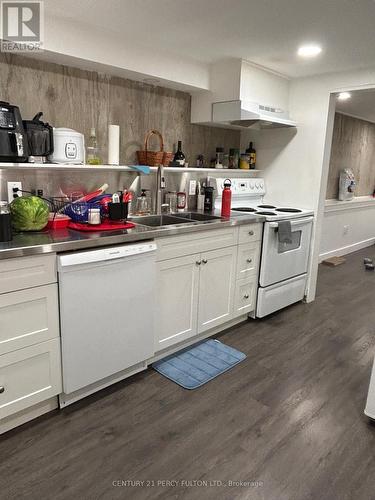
92,149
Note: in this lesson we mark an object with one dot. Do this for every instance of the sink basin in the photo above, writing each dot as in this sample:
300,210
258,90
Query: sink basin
161,220
198,216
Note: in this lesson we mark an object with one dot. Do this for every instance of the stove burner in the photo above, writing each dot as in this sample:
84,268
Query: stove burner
266,206
244,209
265,213
289,210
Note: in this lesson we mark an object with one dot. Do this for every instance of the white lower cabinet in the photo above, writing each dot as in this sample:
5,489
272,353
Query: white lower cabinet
177,288
216,283
29,376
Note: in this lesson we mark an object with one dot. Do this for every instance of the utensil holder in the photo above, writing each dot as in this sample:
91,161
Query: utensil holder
118,211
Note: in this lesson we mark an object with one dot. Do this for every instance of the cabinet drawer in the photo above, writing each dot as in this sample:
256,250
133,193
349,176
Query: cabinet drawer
29,376
201,241
250,232
245,295
248,259
28,317
26,272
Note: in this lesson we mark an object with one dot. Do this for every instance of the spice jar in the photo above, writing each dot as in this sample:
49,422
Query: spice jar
245,161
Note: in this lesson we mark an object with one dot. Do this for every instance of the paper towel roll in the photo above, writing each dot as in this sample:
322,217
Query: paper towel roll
113,145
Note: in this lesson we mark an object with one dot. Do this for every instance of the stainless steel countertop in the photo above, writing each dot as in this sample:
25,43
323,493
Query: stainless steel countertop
63,240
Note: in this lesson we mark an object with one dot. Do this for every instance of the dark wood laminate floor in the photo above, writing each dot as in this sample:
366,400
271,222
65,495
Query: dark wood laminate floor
291,416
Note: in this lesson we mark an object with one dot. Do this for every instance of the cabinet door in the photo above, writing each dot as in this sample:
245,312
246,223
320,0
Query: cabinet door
29,376
28,317
216,287
177,289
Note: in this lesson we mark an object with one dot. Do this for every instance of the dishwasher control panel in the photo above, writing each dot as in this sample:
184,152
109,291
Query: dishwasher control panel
104,254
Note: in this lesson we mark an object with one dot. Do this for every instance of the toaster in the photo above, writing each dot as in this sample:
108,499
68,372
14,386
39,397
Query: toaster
69,146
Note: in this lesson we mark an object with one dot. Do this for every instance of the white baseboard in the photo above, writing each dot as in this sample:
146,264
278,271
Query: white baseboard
347,249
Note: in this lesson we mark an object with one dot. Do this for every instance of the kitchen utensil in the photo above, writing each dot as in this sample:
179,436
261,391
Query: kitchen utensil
154,158
104,226
69,147
39,137
13,141
5,222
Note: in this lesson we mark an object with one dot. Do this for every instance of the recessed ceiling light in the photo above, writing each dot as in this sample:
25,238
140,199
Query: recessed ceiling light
309,50
343,96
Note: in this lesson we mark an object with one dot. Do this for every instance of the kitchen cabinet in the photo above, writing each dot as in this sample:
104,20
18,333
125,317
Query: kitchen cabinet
30,358
201,290
177,288
28,317
216,280
29,376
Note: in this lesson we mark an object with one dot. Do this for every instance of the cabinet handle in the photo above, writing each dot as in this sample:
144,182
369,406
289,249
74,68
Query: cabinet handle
198,262
249,261
2,389
251,233
204,261
246,296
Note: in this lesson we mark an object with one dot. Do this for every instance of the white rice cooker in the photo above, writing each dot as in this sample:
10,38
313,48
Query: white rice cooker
68,146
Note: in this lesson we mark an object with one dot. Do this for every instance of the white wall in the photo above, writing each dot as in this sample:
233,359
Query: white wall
347,226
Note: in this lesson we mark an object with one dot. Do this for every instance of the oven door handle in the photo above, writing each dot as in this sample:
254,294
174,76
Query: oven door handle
295,222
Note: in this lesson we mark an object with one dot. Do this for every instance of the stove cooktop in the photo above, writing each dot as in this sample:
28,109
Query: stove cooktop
272,212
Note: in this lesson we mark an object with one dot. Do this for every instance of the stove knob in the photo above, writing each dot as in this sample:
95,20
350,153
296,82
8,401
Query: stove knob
257,185
261,185
251,185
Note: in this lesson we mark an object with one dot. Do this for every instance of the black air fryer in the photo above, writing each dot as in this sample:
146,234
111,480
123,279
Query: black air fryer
13,142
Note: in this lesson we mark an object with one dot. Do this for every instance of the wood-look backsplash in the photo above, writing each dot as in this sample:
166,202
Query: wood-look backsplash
353,146
79,99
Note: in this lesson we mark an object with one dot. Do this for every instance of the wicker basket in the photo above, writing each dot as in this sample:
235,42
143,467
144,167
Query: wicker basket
154,158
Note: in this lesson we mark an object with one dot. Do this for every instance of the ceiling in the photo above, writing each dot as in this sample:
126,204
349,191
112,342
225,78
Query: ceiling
361,105
267,32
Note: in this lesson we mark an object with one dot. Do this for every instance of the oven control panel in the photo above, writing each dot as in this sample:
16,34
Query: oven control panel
240,186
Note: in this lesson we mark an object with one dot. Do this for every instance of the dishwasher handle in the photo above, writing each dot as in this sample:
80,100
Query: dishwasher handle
104,254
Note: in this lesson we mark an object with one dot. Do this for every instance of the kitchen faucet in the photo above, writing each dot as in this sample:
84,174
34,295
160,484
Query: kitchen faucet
160,187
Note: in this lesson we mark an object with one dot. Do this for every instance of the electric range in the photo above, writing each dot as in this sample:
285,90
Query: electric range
283,270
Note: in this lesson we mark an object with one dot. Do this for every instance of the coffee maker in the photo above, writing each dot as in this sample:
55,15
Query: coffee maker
13,142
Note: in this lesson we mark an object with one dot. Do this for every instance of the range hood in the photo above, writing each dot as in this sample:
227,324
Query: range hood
245,114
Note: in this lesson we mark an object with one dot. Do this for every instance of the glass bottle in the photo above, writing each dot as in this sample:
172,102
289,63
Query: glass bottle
92,149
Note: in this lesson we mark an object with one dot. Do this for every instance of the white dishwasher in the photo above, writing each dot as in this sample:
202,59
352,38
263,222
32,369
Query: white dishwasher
107,305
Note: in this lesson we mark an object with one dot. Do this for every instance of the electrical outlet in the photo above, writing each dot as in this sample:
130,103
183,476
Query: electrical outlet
345,230
11,193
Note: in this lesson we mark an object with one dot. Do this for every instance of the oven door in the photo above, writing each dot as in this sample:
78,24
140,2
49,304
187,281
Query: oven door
281,261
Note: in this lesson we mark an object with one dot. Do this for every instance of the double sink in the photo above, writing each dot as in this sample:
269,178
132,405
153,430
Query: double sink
174,219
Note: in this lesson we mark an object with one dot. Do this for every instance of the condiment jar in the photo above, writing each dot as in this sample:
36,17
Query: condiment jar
181,201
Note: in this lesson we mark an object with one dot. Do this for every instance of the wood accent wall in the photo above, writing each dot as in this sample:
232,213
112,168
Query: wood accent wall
353,146
79,99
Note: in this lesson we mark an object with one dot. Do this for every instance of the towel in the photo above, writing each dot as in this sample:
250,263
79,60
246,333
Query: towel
142,169
285,231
